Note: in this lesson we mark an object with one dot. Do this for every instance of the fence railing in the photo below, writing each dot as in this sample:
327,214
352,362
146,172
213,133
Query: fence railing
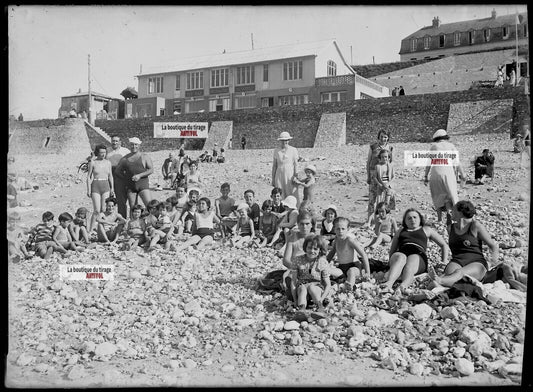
342,80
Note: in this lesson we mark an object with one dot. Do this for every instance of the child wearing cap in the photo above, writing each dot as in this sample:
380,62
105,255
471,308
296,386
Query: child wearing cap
78,226
243,232
327,229
308,183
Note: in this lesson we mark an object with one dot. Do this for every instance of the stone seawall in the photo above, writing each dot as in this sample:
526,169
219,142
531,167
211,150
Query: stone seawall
407,118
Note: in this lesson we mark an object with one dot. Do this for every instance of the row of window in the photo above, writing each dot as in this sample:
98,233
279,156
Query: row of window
486,36
250,101
292,70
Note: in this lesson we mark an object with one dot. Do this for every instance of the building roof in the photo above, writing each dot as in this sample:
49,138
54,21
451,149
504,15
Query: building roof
244,57
467,25
84,93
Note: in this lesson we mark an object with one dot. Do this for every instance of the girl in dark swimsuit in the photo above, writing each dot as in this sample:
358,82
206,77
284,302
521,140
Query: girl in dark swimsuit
408,251
466,238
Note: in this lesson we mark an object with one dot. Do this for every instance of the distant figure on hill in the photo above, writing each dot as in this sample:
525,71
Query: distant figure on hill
499,78
402,91
395,91
512,78
21,118
243,142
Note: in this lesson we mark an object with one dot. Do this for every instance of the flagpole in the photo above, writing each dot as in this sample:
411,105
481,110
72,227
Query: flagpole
517,63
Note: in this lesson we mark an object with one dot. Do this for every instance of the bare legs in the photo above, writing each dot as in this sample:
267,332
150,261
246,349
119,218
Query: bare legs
98,207
404,267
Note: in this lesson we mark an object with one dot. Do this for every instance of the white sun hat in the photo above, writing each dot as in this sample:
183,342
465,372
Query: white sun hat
135,140
284,136
290,201
440,133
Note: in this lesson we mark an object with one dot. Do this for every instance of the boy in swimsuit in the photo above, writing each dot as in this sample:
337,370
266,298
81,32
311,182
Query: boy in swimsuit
110,223
135,229
344,247
78,227
224,207
62,234
40,238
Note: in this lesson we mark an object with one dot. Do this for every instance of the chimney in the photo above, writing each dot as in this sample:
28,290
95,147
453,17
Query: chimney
436,21
493,13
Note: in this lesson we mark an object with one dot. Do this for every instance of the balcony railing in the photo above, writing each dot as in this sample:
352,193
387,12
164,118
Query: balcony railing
368,83
335,81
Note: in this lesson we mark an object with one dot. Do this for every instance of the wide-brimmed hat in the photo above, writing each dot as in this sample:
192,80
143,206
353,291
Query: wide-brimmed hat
284,136
440,133
289,201
135,140
330,207
311,167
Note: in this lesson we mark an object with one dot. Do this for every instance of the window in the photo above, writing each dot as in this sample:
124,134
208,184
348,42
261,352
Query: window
267,101
442,40
194,106
486,35
336,96
292,70
293,100
427,41
505,32
471,37
457,39
177,107
246,101
332,68
195,80
525,31
155,85
219,77
265,73
178,83
413,45
246,75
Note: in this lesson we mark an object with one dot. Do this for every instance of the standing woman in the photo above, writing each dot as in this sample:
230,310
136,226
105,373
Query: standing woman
443,182
134,168
285,167
371,162
99,182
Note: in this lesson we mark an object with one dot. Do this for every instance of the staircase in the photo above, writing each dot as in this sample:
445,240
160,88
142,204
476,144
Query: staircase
96,135
331,130
480,117
220,133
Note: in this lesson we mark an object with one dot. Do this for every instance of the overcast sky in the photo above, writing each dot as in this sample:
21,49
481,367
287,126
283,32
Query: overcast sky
49,45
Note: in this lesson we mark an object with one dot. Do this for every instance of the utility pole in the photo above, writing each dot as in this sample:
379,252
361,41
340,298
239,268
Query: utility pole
351,55
252,35
517,72
90,116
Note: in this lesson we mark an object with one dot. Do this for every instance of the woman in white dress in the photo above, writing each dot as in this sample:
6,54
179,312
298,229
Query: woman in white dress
442,177
285,167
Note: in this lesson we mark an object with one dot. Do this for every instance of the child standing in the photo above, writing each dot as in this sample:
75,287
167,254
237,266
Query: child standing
204,227
267,224
310,273
135,229
327,230
384,226
255,211
384,176
308,183
244,229
344,247
62,235
40,239
221,158
110,223
224,207
78,227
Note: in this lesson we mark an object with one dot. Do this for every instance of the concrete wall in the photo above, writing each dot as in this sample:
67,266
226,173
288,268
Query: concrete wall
60,136
408,118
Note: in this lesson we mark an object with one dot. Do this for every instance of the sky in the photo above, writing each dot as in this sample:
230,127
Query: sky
48,46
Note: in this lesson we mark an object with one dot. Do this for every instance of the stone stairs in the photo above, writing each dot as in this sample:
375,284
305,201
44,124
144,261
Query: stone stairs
480,117
97,135
220,133
331,130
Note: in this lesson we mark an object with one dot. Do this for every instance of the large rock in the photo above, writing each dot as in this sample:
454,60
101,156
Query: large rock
291,325
464,366
381,319
105,349
449,312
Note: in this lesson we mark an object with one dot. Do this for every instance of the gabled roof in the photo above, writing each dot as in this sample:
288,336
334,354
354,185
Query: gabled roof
244,57
467,25
84,93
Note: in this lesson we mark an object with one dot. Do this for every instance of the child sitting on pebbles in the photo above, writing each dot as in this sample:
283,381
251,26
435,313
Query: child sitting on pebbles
244,231
310,273
384,226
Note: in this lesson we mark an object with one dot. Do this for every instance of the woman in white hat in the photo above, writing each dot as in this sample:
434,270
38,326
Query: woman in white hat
134,168
285,167
442,178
